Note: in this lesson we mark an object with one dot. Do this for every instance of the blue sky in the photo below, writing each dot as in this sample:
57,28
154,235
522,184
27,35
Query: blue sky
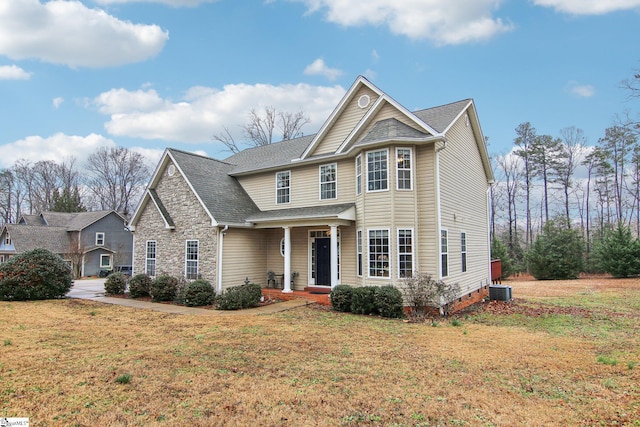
151,74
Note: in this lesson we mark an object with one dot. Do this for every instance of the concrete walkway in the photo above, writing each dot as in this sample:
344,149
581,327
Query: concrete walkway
93,289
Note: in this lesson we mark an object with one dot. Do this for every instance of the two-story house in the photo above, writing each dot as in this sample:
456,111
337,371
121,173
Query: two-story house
89,241
377,194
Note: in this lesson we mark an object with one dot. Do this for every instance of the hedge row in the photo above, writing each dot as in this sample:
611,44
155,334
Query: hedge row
385,301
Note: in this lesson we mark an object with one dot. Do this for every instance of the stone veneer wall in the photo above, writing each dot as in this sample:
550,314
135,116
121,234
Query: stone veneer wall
191,223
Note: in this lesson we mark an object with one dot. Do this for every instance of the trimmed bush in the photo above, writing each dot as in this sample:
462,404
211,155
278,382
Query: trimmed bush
340,297
363,300
198,293
163,288
239,297
139,286
34,275
388,301
115,284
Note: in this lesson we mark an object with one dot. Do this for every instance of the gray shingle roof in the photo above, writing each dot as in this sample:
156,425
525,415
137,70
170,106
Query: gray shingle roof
439,118
73,221
28,237
222,195
163,210
267,156
31,220
389,129
322,211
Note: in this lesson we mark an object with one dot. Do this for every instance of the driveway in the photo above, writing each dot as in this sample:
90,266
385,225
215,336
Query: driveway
87,288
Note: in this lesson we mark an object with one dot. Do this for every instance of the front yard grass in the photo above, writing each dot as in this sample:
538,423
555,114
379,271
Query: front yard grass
564,353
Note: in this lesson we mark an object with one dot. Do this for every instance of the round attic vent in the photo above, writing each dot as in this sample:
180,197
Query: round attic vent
171,170
363,101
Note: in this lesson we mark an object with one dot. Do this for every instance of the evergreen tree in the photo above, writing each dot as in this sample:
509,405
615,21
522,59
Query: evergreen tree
67,201
619,252
499,251
557,253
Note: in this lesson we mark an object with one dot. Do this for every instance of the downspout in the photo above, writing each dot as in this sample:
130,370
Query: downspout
221,234
439,217
489,241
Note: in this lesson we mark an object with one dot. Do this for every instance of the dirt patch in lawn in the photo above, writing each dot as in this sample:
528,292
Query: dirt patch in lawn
74,362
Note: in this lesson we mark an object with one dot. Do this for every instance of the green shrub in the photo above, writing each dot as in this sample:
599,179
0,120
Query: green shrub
363,300
139,285
388,301
557,253
163,288
34,275
198,293
239,297
619,252
340,297
115,284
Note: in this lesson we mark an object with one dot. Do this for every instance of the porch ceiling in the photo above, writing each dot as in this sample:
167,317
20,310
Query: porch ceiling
342,214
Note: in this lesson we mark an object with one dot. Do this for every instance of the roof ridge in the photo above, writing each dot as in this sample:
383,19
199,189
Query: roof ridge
443,105
198,155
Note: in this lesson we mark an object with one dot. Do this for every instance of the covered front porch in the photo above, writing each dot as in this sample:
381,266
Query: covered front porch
304,246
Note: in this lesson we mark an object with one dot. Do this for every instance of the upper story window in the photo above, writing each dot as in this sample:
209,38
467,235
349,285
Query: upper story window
403,168
377,170
328,181
7,239
283,187
359,175
100,239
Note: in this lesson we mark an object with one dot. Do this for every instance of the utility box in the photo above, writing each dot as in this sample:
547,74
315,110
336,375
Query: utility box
500,293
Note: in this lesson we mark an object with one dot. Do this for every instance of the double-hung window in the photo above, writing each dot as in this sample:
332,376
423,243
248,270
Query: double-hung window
359,251
444,253
377,170
329,181
150,262
378,253
99,239
403,168
105,261
283,187
405,252
191,257
463,250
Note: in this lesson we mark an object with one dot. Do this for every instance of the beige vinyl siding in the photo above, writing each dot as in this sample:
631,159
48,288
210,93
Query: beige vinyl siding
243,257
345,123
463,186
348,266
305,186
427,235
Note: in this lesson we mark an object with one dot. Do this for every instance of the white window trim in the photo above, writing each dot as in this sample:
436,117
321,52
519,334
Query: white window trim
289,187
464,266
367,171
103,256
103,238
197,261
389,255
146,257
442,266
413,250
411,158
358,175
328,182
359,253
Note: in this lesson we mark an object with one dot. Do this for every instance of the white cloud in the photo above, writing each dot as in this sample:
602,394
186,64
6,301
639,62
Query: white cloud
441,21
375,55
13,72
57,102
57,148
67,32
583,91
204,111
319,67
589,7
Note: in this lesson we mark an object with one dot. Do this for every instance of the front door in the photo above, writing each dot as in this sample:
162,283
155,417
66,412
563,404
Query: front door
323,261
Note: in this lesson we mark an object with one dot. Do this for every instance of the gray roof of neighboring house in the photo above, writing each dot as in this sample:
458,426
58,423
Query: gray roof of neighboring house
389,129
301,213
73,221
31,220
28,237
439,118
222,195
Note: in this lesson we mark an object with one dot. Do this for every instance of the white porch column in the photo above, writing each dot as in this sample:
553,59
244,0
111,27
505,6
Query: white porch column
287,260
334,256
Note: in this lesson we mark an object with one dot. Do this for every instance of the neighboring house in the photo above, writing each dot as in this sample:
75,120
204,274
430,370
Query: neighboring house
377,194
88,241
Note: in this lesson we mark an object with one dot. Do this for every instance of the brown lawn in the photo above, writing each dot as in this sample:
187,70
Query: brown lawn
563,353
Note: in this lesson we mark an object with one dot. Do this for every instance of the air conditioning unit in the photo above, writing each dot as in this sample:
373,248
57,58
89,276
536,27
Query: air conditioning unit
500,293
